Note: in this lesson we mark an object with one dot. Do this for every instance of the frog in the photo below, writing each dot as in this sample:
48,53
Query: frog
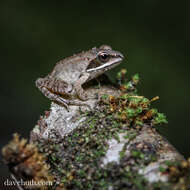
64,84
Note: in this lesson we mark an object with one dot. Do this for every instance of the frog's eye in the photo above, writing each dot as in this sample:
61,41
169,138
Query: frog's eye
103,57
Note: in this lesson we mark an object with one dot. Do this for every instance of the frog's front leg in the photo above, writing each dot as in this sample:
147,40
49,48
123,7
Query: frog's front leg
78,87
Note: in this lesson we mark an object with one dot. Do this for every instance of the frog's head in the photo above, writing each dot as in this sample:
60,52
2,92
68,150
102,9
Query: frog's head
104,59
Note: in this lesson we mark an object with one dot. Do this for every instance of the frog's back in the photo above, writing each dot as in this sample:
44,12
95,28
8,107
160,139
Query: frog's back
70,69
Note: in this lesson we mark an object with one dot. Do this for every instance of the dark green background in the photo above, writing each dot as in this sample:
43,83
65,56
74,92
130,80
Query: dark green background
153,35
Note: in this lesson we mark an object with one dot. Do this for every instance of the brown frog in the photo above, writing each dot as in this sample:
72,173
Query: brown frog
64,84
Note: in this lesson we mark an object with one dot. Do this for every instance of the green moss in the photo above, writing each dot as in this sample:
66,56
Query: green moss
169,163
130,135
105,96
178,173
162,169
135,78
122,154
132,108
160,119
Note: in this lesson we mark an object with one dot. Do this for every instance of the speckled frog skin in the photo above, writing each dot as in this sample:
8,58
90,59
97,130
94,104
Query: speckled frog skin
64,84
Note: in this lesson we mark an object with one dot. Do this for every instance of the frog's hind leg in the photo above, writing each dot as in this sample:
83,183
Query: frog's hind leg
52,89
55,86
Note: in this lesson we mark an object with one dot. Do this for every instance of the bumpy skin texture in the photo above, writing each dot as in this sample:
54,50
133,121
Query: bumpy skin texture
64,84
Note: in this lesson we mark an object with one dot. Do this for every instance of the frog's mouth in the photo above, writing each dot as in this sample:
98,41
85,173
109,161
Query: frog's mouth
106,66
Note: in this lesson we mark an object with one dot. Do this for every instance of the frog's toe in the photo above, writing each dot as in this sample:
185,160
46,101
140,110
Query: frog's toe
94,96
63,102
39,82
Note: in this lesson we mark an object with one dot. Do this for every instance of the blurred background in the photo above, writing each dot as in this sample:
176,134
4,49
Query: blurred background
152,34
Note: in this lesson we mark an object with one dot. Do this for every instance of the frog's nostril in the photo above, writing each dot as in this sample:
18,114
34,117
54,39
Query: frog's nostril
118,54
121,55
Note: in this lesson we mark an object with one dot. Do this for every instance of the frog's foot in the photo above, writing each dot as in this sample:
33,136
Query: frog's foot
84,96
61,101
56,86
55,97
93,96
